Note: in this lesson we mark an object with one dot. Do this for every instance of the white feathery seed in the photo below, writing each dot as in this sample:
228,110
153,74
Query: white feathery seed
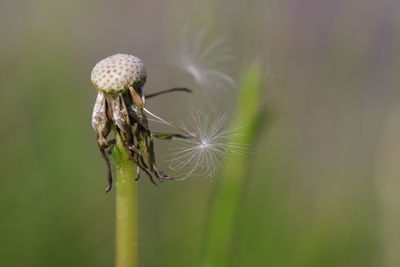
203,61
116,73
204,154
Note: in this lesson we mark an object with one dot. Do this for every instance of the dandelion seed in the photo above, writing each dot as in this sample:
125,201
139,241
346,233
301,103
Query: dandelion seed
203,155
203,61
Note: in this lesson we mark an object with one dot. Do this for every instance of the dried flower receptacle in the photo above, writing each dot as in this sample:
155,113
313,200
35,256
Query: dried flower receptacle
119,106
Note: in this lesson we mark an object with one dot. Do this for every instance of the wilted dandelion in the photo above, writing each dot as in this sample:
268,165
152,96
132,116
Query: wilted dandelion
120,106
204,60
203,154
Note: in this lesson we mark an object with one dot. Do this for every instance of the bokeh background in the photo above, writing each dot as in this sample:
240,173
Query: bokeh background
324,179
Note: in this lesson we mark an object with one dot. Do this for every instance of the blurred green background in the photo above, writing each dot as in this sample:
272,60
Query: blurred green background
324,179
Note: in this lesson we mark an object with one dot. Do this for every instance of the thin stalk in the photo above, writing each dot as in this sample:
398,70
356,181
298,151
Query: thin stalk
222,215
126,254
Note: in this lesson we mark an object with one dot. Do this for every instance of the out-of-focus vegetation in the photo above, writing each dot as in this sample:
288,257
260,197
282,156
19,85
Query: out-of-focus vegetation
223,211
324,179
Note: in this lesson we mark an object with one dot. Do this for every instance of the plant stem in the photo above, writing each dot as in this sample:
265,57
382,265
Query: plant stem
222,215
126,254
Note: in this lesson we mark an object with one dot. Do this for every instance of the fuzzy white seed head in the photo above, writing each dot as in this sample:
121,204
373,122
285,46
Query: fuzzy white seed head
203,61
203,155
116,73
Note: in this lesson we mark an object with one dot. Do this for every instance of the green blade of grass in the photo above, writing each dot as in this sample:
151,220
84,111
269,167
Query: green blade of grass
218,236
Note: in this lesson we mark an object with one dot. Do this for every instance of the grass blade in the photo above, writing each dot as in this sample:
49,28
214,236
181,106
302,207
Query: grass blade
218,237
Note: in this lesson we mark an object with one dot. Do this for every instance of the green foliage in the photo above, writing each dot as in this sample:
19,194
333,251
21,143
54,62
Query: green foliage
224,206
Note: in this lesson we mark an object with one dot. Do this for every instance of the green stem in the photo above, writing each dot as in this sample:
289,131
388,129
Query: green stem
126,254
